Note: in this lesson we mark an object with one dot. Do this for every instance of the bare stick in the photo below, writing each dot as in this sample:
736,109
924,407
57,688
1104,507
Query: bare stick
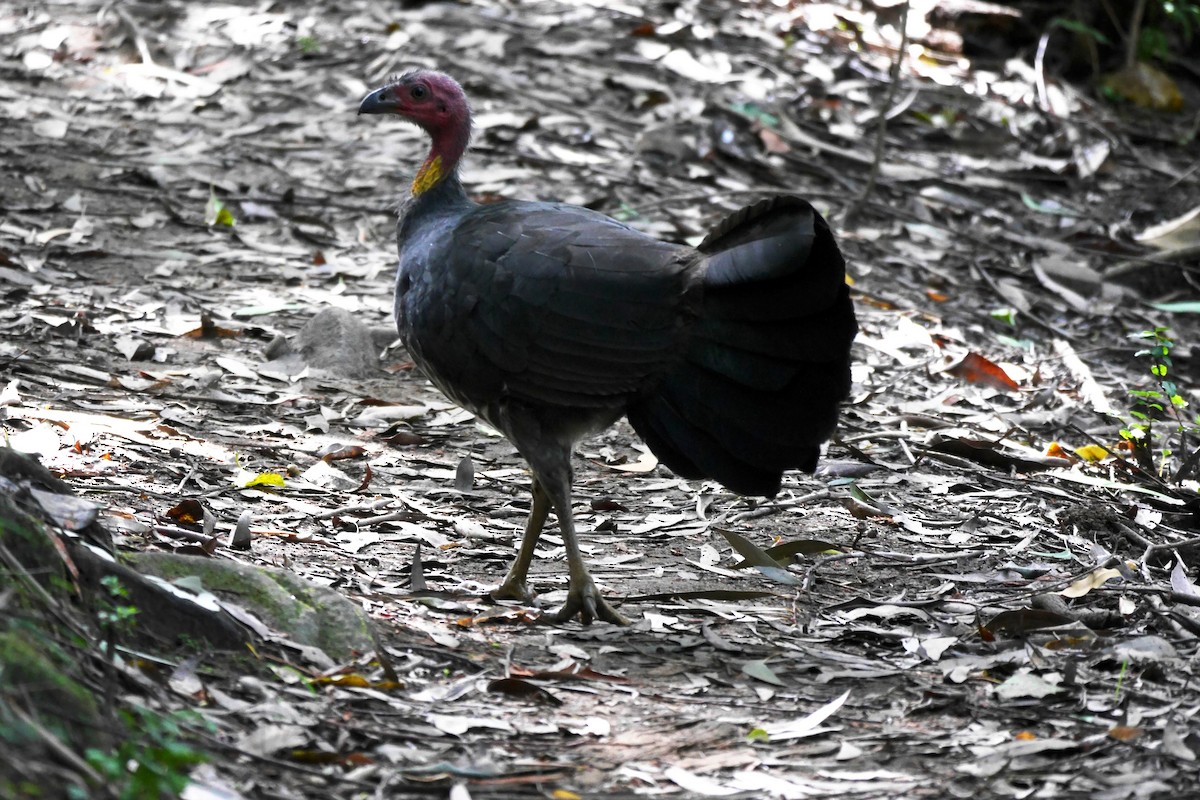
1135,33
881,130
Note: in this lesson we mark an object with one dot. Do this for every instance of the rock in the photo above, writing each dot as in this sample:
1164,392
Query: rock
333,341
299,609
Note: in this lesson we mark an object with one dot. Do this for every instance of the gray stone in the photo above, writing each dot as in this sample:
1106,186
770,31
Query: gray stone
299,609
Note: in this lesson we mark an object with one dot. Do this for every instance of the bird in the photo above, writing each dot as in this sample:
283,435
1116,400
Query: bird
552,321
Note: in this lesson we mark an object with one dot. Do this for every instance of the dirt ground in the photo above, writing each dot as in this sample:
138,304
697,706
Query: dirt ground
969,608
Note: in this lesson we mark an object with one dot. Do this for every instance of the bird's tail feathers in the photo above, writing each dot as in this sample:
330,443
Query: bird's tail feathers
768,361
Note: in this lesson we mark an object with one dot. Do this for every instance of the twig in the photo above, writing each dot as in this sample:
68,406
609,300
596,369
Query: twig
881,130
1135,33
184,481
811,572
1154,548
139,41
990,281
1157,591
1039,72
1162,259
174,532
874,436
767,509
374,505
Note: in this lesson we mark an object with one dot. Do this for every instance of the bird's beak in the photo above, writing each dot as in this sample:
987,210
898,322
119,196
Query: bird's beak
378,102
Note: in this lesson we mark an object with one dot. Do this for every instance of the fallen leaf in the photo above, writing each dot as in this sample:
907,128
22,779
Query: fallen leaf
974,368
806,725
1026,684
697,785
1124,733
1092,580
759,670
1180,581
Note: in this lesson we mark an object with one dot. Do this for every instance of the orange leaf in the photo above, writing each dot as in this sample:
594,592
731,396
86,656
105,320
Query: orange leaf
976,369
1124,733
1055,450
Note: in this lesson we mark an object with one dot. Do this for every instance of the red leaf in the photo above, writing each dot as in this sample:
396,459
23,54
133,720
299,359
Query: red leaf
976,369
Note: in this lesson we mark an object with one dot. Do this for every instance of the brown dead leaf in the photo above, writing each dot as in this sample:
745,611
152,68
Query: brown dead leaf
974,368
1020,621
187,512
210,330
1124,733
340,452
573,672
523,689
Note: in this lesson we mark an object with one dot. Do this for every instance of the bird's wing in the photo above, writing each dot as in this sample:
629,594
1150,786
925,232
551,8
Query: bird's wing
553,304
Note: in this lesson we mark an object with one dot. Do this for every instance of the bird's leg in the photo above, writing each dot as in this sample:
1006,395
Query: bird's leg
583,598
514,586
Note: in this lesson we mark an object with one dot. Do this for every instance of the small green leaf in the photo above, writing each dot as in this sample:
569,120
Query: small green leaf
755,113
1078,27
216,212
625,213
1006,315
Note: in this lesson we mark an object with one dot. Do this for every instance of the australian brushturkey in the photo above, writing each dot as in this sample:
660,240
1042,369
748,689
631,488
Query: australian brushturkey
551,321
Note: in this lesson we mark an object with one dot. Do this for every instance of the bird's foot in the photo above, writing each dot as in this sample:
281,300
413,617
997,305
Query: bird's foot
512,590
585,601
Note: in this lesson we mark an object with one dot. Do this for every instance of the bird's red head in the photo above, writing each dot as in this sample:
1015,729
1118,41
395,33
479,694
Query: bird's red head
437,104
430,99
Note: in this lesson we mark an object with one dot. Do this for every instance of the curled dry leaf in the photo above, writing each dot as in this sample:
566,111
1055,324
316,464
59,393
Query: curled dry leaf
974,368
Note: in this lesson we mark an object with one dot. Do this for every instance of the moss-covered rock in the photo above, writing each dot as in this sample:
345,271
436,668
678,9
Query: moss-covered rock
303,611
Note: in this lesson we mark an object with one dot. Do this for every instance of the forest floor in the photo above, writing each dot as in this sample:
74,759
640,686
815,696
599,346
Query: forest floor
970,608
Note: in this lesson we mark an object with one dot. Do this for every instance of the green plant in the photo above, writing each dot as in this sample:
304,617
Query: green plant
153,761
1182,18
1154,26
1160,425
116,617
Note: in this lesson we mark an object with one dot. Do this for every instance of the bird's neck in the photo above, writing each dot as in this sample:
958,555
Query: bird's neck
442,161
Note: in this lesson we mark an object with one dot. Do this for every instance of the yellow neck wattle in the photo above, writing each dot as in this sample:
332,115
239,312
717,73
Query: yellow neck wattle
428,176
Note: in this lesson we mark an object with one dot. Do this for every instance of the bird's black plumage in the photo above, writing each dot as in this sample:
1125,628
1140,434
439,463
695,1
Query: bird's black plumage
552,321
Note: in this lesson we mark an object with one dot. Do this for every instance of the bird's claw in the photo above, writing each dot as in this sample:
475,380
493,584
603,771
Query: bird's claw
512,590
588,604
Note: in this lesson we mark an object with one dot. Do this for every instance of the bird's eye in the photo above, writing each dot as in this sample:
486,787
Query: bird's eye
418,92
